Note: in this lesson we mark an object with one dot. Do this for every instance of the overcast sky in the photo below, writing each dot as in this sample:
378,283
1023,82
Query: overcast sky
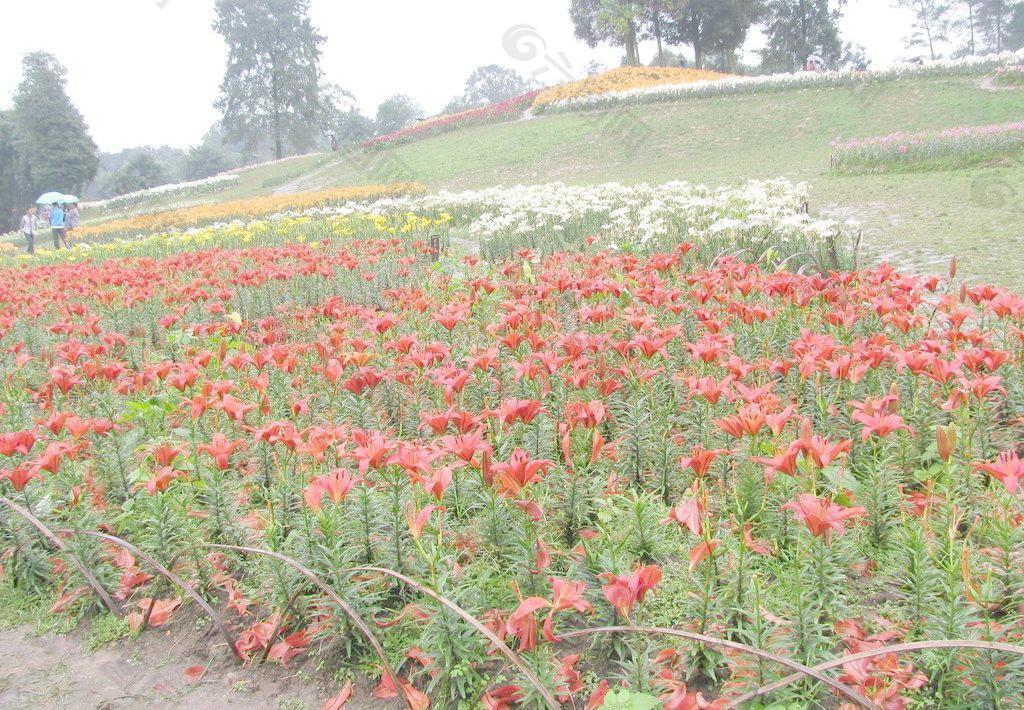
146,72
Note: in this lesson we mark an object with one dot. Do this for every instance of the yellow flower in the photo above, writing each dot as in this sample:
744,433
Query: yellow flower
249,209
622,79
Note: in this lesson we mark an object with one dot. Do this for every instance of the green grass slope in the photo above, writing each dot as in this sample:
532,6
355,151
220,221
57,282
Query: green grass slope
916,219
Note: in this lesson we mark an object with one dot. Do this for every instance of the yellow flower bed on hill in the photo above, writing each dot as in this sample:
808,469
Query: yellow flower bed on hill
623,79
247,209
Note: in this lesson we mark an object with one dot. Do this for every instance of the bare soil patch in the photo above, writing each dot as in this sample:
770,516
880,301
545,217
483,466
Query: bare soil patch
51,671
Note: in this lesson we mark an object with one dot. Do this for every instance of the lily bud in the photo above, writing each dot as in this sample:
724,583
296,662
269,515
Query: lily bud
953,263
945,439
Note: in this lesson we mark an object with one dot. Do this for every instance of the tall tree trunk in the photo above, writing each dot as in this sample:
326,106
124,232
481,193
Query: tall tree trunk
278,148
970,16
999,26
695,34
275,95
657,35
805,43
632,51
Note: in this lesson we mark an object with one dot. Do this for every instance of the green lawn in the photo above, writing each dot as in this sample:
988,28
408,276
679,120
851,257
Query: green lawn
917,219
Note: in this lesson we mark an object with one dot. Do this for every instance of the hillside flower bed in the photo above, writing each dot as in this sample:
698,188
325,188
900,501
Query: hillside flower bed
241,209
456,476
509,110
624,79
950,148
763,220
183,189
783,82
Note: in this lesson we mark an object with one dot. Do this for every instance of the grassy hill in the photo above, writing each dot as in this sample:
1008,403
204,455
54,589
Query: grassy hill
915,219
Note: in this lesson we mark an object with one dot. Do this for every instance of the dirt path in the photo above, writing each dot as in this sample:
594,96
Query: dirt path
988,83
59,672
876,246
300,183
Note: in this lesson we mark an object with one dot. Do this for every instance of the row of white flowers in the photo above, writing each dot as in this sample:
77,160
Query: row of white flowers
783,82
195,187
617,214
278,161
228,178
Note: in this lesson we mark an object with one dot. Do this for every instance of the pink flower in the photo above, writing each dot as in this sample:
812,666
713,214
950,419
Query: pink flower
821,516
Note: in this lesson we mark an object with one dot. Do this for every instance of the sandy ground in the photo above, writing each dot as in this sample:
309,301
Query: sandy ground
50,671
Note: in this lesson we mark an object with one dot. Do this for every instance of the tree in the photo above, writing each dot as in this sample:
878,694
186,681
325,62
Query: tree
492,84
398,112
995,22
693,25
855,56
967,25
798,28
271,84
12,193
52,144
204,160
659,14
931,24
343,116
141,172
1015,32
615,22
713,27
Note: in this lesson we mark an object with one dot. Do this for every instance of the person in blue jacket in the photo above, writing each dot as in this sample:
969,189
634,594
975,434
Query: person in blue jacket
57,226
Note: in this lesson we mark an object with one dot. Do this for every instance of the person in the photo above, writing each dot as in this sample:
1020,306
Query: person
28,228
57,225
72,219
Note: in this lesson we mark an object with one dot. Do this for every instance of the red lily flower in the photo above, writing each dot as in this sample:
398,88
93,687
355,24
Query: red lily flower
624,592
518,472
1007,469
700,459
821,516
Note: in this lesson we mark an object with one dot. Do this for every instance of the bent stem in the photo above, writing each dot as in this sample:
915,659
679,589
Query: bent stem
469,618
872,653
335,597
801,670
59,544
210,611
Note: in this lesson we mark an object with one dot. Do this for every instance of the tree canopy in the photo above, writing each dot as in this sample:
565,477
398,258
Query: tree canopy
52,146
272,80
616,22
718,27
798,28
141,172
396,113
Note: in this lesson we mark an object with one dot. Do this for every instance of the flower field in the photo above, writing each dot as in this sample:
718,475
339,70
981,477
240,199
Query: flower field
240,209
624,79
951,148
607,470
732,85
509,110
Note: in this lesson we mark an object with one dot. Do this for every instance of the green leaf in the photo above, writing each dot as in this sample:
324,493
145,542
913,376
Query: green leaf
621,699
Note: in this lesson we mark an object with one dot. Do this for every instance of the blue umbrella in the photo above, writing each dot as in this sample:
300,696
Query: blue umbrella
50,197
